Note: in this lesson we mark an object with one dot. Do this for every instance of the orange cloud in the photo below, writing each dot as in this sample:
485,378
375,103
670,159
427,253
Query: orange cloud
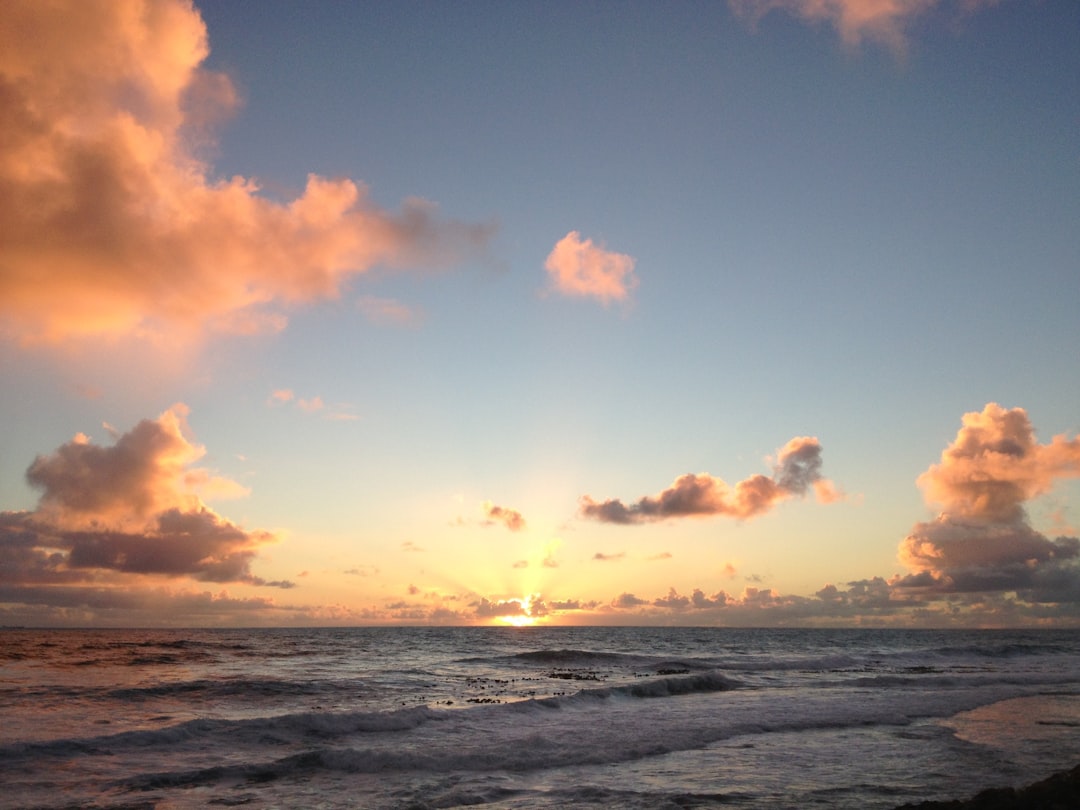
339,412
510,518
130,508
387,311
580,268
882,20
112,223
982,539
798,469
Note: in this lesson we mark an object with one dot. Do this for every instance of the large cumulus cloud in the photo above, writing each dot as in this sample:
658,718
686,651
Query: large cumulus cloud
796,472
113,224
982,539
109,515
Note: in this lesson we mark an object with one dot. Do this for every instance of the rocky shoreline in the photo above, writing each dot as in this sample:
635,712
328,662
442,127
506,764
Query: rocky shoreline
1058,792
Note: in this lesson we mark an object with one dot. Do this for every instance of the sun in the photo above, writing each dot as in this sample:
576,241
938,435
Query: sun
518,620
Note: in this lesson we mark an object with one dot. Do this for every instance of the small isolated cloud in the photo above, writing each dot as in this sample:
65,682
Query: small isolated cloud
579,268
387,311
409,545
982,539
797,470
729,570
112,514
601,557
663,555
114,224
510,518
339,411
362,571
89,391
884,21
520,564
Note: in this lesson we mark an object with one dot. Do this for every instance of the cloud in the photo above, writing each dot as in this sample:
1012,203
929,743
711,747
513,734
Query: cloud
110,514
884,21
144,474
340,411
627,600
387,311
114,225
580,268
489,610
797,470
982,539
601,557
281,396
510,518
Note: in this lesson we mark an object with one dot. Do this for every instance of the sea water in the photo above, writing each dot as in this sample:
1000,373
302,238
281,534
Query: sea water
530,717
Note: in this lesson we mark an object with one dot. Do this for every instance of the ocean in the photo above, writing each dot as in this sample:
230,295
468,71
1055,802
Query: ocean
533,717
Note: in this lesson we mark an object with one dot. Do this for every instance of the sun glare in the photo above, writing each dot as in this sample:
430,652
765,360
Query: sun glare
518,620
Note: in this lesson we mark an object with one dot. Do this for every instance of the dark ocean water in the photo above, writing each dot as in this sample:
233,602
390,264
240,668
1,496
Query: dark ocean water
530,717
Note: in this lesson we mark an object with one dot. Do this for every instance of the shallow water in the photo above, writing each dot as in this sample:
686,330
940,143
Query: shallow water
531,717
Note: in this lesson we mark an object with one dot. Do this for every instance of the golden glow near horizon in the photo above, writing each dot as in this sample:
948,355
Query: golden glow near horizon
347,354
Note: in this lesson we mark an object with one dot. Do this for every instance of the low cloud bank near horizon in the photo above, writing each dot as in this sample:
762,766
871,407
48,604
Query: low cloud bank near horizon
796,472
113,223
115,519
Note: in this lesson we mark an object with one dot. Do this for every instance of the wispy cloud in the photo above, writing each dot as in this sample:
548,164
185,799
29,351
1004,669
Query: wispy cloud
601,557
387,311
338,411
797,470
884,21
577,267
113,225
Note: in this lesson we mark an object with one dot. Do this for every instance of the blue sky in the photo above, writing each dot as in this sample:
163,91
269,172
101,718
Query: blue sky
853,228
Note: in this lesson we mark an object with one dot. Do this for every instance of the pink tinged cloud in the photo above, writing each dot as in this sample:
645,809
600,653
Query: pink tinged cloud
512,519
387,311
112,223
579,268
884,21
130,508
797,471
982,539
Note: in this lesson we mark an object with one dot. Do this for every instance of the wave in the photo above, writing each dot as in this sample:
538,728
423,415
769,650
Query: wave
657,688
276,730
298,727
244,687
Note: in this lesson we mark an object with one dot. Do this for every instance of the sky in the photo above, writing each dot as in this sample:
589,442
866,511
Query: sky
753,313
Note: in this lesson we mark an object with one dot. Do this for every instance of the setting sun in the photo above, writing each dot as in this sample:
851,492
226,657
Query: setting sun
518,621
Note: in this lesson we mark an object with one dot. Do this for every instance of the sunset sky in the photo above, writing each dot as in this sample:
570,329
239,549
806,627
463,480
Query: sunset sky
761,312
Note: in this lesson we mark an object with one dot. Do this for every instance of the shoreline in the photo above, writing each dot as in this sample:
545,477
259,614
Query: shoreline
1060,791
